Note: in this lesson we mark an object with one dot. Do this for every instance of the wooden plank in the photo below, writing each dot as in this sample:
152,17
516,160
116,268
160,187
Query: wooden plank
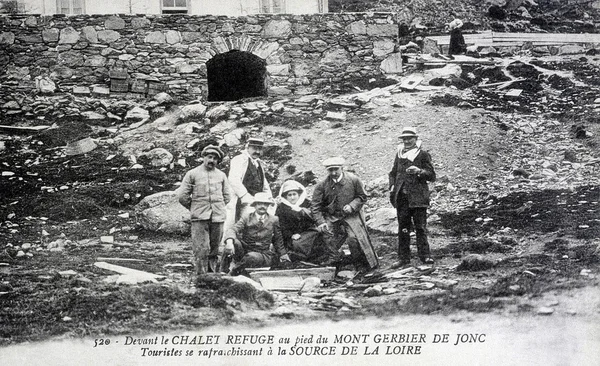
104,259
516,39
127,271
501,84
29,129
324,273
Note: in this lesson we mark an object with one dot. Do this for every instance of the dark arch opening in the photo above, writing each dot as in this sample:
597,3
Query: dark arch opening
235,75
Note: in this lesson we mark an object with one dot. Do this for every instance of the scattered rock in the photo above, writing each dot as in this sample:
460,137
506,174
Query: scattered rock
475,262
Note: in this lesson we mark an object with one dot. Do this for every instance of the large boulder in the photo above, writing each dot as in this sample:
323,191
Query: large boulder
162,212
384,220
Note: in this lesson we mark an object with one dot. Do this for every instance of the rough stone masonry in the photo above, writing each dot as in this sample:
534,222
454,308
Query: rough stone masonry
303,53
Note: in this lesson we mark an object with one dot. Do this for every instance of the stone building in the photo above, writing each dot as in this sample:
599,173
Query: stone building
195,57
190,7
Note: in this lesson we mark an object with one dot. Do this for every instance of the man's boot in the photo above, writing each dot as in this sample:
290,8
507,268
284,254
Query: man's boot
213,264
202,267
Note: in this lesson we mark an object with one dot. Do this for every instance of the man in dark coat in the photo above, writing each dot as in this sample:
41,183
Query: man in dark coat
336,205
252,236
409,194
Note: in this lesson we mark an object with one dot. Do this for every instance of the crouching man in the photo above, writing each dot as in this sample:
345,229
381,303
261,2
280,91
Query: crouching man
252,236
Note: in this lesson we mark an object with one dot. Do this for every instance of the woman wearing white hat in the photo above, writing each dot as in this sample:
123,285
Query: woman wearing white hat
298,227
457,41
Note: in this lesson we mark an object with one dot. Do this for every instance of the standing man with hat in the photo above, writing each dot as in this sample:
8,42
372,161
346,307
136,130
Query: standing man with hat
336,206
250,239
247,178
205,192
409,194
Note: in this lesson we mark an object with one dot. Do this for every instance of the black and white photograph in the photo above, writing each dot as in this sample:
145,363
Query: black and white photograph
299,182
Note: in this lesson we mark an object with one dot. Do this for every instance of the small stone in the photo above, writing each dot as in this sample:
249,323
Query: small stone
107,239
68,273
310,284
124,215
67,319
389,291
545,311
20,253
376,290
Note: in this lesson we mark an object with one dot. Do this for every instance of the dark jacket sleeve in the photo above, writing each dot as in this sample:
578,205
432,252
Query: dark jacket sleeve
278,239
237,228
317,203
360,196
393,172
428,173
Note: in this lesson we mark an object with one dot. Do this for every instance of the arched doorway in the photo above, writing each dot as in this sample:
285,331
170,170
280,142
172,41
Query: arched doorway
234,75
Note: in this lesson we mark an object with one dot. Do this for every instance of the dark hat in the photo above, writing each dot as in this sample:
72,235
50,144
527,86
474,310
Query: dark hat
212,149
409,132
255,141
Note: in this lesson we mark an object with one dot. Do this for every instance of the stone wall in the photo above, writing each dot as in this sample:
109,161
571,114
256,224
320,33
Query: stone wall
304,53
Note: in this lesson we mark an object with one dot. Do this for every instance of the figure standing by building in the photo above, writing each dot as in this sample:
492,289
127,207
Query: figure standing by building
337,203
205,192
252,236
409,194
457,41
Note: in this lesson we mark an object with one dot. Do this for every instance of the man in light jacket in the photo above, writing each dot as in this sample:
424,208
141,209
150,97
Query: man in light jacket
205,192
409,194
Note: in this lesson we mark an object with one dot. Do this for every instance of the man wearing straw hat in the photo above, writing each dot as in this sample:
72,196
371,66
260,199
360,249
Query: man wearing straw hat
250,239
409,194
336,205
205,192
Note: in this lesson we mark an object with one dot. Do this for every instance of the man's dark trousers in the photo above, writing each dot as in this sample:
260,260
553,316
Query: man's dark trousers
418,216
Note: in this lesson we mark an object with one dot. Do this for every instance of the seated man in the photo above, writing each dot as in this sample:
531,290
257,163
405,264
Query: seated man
250,239
300,235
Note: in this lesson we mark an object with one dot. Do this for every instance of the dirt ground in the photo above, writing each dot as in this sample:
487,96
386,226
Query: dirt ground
504,248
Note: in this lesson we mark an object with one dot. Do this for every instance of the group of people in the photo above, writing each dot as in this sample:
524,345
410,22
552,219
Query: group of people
259,231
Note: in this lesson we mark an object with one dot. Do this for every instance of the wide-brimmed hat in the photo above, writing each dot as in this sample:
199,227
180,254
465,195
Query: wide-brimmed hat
212,149
456,23
262,197
335,162
291,185
409,132
256,141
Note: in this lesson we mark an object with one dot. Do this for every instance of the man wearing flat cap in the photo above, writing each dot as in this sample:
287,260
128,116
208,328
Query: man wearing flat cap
251,238
336,206
247,178
409,194
205,192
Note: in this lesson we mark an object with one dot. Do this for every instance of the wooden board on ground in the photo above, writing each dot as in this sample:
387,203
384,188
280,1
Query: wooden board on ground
17,129
130,275
411,81
289,279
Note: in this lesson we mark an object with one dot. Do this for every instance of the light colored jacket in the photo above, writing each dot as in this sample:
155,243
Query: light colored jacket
205,193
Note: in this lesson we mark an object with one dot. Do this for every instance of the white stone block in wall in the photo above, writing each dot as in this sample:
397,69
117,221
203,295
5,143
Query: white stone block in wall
68,35
392,64
173,37
278,69
358,27
155,37
383,47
